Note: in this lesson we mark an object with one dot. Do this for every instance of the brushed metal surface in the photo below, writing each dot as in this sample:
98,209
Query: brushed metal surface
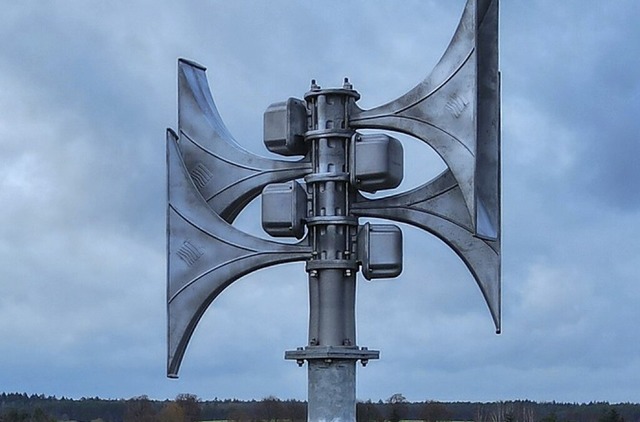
456,110
225,174
205,255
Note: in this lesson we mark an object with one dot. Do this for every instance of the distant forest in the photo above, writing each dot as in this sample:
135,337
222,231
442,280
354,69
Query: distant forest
21,407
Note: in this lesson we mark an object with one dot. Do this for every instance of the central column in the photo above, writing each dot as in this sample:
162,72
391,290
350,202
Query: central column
332,351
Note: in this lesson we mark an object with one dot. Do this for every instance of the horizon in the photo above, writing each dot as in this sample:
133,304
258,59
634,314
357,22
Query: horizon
373,401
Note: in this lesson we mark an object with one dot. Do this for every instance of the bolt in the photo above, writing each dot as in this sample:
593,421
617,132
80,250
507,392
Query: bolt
300,362
364,362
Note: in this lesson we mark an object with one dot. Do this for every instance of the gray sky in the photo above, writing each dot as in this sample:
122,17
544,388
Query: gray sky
88,88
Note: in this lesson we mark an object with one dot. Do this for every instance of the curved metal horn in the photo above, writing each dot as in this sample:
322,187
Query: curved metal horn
225,174
205,255
438,207
456,110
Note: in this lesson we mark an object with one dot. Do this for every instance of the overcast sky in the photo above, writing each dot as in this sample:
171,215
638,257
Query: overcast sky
87,90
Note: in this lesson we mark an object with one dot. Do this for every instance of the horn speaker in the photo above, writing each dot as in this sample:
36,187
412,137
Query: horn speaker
456,111
210,180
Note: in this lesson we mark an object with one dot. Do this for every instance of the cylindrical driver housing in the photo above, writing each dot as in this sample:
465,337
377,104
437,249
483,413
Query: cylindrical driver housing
332,229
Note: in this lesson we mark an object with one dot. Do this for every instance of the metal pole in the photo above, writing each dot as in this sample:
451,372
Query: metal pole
332,390
332,352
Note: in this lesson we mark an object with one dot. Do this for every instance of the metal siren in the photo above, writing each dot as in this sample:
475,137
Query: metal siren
224,173
456,111
439,208
205,254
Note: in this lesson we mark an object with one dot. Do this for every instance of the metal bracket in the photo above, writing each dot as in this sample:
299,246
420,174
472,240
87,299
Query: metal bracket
330,353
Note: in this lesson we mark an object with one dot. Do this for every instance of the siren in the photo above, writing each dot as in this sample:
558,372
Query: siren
225,174
211,179
456,111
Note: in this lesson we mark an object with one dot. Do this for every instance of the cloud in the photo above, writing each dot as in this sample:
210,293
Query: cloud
577,71
88,90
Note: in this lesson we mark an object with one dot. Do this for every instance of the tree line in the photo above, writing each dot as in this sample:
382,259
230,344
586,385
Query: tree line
20,407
